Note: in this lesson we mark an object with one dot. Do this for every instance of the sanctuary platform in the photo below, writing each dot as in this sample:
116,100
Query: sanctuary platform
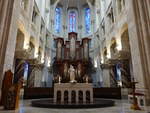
49,103
73,95
73,86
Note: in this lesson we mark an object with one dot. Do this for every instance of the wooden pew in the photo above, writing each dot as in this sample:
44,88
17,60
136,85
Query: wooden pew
6,84
10,92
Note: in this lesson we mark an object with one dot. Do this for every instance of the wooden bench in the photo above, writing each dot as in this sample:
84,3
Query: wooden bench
10,92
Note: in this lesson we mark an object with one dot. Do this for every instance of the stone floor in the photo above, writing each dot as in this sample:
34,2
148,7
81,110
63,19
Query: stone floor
121,107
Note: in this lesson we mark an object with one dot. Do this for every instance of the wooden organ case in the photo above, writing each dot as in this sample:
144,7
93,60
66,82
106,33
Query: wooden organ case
71,52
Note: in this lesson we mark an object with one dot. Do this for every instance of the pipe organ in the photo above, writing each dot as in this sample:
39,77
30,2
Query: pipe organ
72,49
71,54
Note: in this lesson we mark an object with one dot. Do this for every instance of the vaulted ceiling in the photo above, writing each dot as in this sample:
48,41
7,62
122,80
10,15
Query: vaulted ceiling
72,3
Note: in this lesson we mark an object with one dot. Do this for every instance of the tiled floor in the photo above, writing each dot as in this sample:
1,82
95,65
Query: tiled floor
121,107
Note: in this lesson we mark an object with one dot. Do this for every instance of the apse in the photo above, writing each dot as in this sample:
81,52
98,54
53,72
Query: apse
72,16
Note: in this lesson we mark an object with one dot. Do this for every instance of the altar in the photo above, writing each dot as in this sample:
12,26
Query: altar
73,93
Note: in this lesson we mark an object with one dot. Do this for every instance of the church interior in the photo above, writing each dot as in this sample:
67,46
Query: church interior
75,56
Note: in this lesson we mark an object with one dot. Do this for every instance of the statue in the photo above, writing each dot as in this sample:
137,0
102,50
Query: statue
87,78
72,74
79,72
59,79
65,71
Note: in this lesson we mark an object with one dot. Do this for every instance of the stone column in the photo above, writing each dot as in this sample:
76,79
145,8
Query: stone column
139,33
9,12
37,73
84,96
69,96
106,78
91,96
4,17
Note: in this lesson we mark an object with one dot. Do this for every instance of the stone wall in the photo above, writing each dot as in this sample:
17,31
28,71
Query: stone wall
8,21
139,25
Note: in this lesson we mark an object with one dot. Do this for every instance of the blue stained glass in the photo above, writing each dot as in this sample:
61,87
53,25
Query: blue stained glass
72,21
87,20
57,19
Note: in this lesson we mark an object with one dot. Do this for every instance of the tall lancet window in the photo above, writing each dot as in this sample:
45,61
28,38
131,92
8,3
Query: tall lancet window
87,20
72,21
57,20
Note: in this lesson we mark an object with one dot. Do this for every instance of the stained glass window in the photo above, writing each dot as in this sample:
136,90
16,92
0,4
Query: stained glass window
87,20
72,21
26,70
57,20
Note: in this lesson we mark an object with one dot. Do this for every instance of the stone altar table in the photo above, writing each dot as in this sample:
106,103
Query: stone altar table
73,93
